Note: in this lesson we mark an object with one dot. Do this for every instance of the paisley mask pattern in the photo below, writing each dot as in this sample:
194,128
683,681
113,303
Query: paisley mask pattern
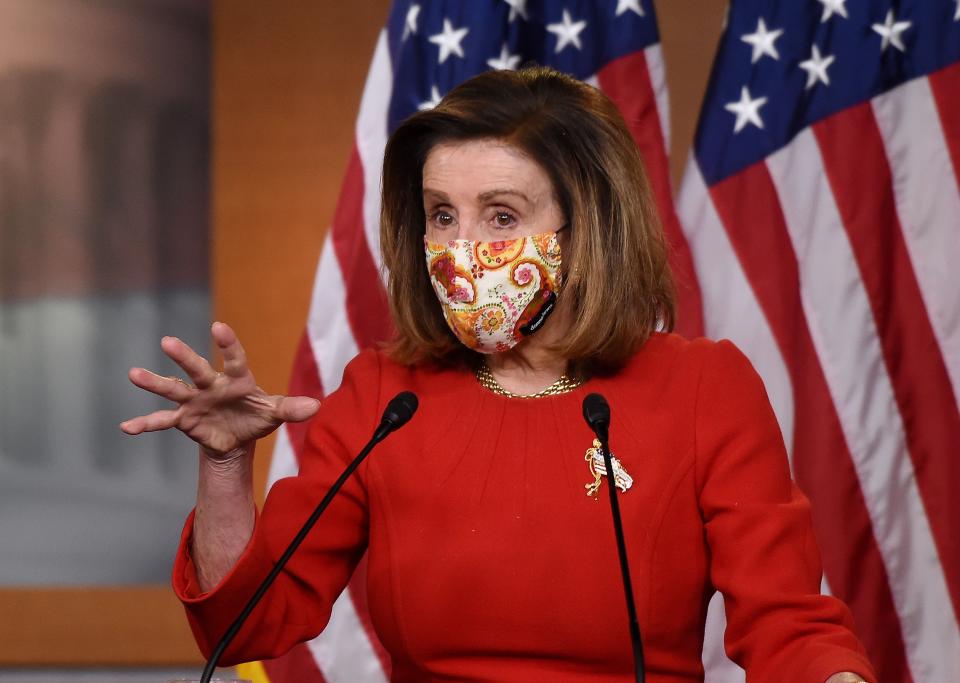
494,294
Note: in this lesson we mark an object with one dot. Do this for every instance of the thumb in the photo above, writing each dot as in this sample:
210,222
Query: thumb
297,408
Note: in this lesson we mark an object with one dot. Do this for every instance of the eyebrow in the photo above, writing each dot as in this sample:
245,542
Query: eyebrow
436,194
490,194
483,196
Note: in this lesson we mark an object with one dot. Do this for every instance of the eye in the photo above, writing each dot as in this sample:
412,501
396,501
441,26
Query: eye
504,219
442,219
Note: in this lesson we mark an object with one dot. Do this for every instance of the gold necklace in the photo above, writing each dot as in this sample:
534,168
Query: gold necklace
564,385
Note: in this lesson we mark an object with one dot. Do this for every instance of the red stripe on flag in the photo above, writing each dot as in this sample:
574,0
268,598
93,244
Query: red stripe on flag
945,85
857,168
750,211
304,381
297,665
627,82
366,299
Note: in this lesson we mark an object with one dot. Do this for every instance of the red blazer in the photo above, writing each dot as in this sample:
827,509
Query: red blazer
488,561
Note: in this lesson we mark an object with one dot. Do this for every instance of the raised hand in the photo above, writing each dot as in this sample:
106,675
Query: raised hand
222,411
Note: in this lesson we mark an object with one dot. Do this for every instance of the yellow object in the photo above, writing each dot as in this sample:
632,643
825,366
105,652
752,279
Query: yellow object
253,671
563,385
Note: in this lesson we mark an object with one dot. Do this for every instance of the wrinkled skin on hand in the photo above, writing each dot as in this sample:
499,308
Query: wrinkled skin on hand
224,411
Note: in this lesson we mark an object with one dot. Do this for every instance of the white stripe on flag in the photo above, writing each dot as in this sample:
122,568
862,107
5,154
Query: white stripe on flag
718,668
844,334
284,460
371,132
928,206
658,83
327,325
730,308
343,652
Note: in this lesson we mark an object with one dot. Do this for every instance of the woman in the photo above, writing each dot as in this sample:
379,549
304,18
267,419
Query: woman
526,270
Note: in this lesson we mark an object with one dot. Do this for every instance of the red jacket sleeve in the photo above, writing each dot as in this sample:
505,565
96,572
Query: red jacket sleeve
764,558
298,605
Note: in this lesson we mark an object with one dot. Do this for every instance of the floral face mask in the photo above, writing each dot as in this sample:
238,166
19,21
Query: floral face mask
494,294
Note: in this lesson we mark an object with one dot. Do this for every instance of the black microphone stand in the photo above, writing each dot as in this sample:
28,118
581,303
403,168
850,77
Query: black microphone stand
397,413
597,415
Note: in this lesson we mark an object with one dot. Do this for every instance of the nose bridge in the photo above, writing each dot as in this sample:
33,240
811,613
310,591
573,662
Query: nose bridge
464,231
469,225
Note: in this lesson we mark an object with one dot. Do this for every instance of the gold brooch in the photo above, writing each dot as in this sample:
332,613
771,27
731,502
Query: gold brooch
598,470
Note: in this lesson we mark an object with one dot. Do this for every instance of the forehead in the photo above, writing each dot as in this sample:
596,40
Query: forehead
482,164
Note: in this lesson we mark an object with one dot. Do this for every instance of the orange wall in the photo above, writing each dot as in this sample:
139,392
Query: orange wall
287,82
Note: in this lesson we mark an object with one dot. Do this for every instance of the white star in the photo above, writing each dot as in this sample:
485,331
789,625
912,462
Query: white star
410,24
762,41
432,102
632,5
816,67
890,31
568,32
747,110
517,7
505,60
831,7
449,40
956,17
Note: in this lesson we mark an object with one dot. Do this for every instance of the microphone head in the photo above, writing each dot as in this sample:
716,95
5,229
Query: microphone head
400,409
596,411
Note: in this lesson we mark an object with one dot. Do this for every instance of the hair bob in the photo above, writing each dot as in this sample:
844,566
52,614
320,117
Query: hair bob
615,273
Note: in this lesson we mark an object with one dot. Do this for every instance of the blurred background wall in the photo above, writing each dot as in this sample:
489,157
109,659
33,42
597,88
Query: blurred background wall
104,238
104,234
104,247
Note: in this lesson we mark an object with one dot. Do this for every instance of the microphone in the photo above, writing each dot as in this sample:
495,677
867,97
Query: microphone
397,413
596,411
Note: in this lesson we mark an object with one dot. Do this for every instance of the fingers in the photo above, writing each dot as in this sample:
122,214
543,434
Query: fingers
154,422
296,408
170,388
234,357
195,365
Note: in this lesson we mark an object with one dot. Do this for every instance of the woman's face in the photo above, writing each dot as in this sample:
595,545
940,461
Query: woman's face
486,190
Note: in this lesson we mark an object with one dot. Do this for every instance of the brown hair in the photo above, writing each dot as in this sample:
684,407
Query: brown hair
615,274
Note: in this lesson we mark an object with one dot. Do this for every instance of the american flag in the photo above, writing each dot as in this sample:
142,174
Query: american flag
822,207
857,338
